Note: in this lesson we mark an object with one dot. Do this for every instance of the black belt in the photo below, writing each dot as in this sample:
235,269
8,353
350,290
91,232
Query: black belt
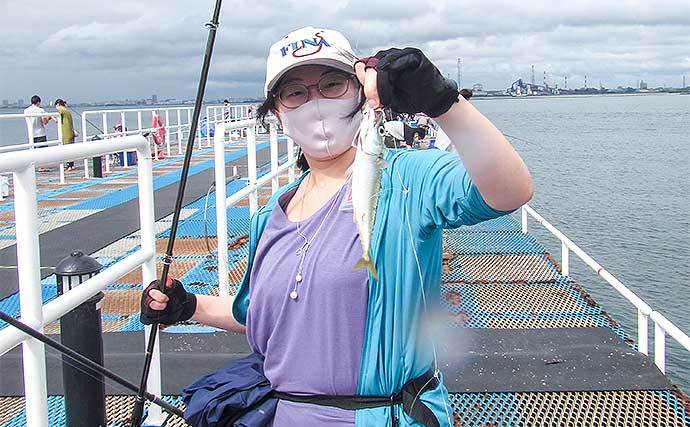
408,397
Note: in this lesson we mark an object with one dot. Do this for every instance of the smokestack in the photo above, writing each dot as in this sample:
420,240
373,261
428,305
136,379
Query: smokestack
532,75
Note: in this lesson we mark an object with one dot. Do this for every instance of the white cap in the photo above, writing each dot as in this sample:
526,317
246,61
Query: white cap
305,46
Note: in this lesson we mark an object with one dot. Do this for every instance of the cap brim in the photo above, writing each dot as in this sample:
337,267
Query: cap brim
349,68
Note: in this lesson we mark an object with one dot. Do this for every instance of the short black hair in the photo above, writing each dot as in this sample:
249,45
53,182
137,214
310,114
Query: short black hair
60,102
35,99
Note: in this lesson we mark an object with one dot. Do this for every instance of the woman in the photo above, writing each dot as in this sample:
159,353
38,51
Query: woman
324,329
68,132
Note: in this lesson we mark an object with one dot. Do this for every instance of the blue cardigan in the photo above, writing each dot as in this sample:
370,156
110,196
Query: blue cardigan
422,192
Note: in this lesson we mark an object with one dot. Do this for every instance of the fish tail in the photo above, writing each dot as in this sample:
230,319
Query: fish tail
366,263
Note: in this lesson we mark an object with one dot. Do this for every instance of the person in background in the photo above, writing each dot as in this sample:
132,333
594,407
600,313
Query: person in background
37,123
68,132
226,109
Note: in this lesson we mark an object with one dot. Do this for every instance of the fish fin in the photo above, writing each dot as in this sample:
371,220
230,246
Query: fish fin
366,263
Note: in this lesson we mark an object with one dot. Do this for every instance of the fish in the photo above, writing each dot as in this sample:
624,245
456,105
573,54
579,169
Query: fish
366,172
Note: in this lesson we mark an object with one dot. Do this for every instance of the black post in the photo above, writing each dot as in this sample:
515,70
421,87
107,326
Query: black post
81,330
84,389
97,162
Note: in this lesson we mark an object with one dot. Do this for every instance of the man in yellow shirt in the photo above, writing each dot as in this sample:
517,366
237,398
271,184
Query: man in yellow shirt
68,132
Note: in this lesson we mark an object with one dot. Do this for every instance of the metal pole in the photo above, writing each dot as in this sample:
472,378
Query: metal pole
85,362
273,138
179,132
565,262
138,409
251,169
83,140
221,212
189,125
105,133
659,348
31,303
208,125
61,165
291,158
166,126
148,269
642,332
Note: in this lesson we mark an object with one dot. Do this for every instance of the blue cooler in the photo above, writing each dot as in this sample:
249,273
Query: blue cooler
131,158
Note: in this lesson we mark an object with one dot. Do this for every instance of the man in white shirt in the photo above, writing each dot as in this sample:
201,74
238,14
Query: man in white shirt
37,123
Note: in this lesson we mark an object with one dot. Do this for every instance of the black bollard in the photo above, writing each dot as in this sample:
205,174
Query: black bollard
81,330
97,162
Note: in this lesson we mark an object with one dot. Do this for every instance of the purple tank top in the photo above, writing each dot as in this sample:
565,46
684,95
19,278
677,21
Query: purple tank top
311,345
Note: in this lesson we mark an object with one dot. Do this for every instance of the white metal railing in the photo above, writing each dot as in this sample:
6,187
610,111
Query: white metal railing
253,183
662,326
162,130
28,118
22,165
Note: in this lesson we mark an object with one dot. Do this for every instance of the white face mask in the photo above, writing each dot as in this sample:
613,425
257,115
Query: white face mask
322,127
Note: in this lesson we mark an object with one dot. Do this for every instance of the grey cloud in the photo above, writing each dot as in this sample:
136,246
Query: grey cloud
129,48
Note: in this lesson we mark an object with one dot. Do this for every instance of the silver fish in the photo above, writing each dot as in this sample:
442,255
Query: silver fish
366,181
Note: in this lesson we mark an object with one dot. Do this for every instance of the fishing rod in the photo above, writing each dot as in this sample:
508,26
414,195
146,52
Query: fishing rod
86,363
87,120
138,410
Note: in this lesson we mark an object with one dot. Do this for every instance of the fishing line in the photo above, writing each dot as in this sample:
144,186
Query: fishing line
405,193
85,119
516,138
212,187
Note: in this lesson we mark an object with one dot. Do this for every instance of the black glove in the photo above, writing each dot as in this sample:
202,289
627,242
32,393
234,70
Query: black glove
407,82
181,304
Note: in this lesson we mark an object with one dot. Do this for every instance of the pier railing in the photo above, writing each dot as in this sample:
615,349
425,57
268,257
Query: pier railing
253,182
30,145
167,126
33,312
662,326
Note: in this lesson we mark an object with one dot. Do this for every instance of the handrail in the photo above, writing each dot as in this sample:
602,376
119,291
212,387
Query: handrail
662,326
55,309
253,184
30,136
33,312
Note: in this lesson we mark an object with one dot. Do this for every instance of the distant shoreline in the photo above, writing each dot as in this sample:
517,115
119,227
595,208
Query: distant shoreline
587,95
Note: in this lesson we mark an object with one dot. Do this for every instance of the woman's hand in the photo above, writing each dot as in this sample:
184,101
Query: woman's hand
176,306
405,81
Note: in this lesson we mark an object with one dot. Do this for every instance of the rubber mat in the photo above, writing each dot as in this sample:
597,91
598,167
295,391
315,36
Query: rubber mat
537,360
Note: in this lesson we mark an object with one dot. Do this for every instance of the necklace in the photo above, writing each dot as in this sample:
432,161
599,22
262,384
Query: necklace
302,251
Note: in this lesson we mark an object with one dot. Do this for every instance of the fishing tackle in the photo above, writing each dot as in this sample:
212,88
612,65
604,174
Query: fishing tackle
138,410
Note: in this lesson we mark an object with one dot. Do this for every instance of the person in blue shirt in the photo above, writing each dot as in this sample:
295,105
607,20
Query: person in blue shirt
327,334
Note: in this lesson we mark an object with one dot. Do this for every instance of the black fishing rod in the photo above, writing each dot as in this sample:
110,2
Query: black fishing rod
86,363
138,410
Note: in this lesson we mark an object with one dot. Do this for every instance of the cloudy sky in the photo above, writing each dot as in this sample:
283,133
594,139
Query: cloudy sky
86,50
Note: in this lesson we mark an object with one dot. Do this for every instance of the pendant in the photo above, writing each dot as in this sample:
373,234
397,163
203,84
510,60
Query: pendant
298,278
293,295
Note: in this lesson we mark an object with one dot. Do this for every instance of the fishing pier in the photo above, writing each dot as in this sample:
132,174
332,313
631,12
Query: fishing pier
524,343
